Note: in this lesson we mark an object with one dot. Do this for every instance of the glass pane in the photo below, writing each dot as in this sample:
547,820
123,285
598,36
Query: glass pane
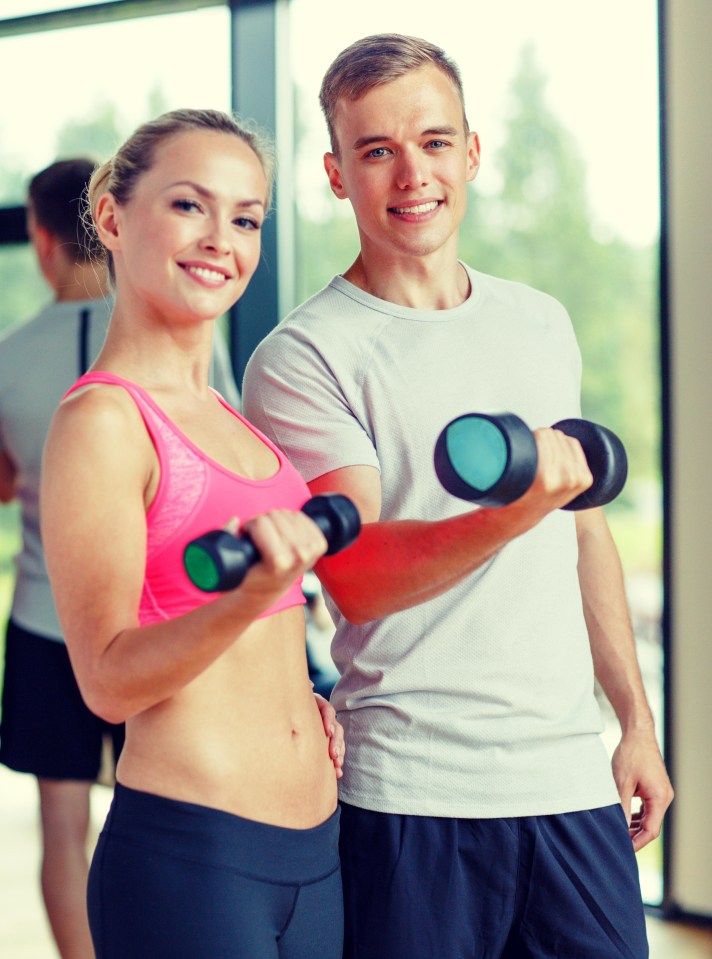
24,291
567,199
176,60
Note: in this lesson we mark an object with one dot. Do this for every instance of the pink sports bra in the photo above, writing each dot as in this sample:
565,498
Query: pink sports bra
195,494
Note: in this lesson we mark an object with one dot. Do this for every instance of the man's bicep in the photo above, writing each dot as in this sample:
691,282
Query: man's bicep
362,485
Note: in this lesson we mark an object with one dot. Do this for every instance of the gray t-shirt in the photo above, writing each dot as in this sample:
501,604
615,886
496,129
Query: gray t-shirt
480,702
39,361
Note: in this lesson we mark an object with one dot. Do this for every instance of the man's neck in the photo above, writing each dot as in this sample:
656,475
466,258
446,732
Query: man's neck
80,281
419,283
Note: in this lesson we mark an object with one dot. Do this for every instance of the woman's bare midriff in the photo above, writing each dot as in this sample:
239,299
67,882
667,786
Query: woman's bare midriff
245,737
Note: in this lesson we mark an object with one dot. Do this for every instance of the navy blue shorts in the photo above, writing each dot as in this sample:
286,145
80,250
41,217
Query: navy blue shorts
175,880
417,887
46,728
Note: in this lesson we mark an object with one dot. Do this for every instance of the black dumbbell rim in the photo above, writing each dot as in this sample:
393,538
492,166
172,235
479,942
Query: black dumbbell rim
518,473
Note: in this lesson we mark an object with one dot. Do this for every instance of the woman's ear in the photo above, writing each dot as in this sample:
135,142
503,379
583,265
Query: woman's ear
106,221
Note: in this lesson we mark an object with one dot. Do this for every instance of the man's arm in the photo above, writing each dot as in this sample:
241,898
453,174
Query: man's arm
394,565
8,476
638,766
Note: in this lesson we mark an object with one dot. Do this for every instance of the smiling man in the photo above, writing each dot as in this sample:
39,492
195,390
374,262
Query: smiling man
481,816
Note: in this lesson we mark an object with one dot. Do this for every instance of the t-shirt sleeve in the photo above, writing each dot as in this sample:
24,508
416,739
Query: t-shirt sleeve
308,406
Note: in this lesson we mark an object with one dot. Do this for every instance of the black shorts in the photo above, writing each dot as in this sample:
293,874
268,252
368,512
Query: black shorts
418,887
46,729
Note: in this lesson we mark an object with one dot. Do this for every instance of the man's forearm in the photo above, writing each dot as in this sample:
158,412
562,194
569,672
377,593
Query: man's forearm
610,631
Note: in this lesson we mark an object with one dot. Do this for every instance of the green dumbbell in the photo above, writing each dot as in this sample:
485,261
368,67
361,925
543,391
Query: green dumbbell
218,560
492,459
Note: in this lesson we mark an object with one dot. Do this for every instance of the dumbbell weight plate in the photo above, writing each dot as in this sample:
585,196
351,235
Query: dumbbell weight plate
490,460
606,458
337,518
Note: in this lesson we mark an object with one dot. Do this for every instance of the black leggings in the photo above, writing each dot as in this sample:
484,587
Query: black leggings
174,880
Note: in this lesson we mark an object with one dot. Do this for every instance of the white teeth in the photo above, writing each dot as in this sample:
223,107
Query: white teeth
421,208
207,274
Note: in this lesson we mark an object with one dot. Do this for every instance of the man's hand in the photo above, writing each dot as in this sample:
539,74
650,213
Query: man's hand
638,770
335,731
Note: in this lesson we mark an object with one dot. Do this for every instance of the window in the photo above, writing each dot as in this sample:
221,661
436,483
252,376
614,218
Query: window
84,104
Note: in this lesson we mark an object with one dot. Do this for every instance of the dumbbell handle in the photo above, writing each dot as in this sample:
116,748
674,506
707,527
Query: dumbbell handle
218,560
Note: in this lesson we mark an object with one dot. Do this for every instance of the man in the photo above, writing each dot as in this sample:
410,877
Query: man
46,729
480,816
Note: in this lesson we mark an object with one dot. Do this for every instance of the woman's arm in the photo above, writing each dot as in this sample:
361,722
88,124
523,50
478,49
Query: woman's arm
99,473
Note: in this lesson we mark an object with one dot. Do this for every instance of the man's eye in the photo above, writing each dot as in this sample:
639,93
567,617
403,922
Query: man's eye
377,152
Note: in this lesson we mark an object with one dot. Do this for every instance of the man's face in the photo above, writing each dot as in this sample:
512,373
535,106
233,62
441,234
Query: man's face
404,163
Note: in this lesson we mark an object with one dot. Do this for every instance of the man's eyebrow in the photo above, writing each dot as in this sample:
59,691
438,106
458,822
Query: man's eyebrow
441,131
384,137
367,141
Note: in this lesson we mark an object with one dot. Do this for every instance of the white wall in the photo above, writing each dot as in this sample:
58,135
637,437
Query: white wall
688,89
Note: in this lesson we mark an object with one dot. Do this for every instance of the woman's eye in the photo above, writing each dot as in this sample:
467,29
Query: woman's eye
246,223
186,205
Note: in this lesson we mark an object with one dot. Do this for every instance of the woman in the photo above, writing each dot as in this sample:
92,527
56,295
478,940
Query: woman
222,837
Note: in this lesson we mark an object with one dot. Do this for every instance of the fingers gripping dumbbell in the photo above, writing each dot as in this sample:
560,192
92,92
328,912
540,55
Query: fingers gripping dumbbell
219,561
492,460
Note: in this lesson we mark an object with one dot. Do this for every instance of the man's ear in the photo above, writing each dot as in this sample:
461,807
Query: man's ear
333,171
473,155
43,241
106,221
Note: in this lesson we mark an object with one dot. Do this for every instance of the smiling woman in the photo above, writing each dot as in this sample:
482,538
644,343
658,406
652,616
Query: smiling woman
142,457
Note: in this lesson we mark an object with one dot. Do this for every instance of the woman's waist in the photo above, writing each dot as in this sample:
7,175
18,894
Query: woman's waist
274,768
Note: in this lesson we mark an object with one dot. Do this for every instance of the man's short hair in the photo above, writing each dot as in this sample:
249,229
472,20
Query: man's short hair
379,59
56,196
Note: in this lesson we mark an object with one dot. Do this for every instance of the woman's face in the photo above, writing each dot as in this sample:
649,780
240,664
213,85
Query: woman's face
188,240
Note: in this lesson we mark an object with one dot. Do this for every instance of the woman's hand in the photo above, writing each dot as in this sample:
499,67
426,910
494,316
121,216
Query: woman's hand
335,731
287,542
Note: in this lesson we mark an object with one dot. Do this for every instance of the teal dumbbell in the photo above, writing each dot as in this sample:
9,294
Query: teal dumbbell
492,459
